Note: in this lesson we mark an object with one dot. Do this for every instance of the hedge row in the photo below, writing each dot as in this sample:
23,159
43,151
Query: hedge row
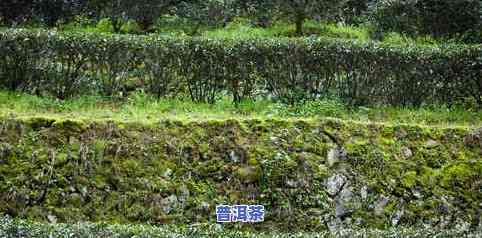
291,70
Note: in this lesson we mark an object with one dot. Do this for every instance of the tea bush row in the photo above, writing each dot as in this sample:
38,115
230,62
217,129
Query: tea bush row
289,70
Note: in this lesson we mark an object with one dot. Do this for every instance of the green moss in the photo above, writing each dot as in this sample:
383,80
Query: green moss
39,122
409,179
428,177
253,162
249,174
458,175
70,126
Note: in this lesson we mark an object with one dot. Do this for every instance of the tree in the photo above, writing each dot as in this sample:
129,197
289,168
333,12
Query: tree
51,11
299,11
206,12
439,18
15,11
260,11
353,10
145,12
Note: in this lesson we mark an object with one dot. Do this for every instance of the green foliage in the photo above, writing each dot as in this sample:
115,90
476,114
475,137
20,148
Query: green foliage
354,11
131,27
439,18
394,38
205,13
287,70
105,26
20,228
14,11
298,11
345,32
144,12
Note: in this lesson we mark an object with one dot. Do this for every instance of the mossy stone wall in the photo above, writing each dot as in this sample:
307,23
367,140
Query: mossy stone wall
310,175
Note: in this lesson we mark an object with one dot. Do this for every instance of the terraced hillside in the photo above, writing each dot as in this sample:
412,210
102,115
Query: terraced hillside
123,135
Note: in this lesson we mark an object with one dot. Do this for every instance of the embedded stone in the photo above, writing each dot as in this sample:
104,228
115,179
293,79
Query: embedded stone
168,204
335,155
5,150
397,216
51,218
335,183
474,139
233,157
431,143
364,192
381,204
342,211
406,152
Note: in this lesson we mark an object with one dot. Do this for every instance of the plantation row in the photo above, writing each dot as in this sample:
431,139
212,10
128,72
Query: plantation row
290,70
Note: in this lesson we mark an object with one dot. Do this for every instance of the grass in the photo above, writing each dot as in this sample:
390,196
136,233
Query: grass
18,228
140,107
238,29
242,28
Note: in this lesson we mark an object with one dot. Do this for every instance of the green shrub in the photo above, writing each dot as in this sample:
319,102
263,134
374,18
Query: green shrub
105,26
131,27
288,70
346,32
394,38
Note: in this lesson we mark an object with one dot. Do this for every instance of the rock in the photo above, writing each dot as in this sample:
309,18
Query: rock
346,195
417,194
474,139
341,211
444,222
51,218
334,225
168,204
233,157
167,173
83,191
183,193
364,193
291,183
205,206
380,205
406,152
335,183
359,222
443,209
335,155
401,134
431,143
332,158
5,150
397,216
314,212
344,202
